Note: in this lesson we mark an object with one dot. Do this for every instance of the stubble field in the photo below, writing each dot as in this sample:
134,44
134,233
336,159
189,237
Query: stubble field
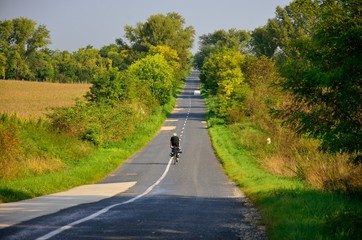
34,99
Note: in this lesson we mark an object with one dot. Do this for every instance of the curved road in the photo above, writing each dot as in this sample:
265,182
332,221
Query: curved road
190,200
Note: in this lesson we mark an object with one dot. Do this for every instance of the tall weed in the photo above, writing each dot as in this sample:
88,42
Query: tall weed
283,153
9,146
28,148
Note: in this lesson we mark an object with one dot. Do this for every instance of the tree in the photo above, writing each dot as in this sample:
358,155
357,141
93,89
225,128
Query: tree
108,87
262,77
238,40
119,55
156,73
262,42
223,77
65,67
19,39
89,62
172,59
17,67
2,65
325,80
160,30
293,22
40,63
6,27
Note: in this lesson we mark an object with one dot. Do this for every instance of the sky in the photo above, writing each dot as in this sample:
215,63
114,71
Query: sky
74,24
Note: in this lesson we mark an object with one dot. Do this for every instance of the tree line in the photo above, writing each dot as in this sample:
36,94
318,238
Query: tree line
24,54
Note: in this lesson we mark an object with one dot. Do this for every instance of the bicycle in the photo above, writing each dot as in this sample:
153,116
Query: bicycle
175,154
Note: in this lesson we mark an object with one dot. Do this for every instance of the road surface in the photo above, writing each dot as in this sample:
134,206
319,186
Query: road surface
190,200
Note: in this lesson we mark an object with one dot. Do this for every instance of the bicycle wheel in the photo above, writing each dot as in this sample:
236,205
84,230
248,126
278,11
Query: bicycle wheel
174,159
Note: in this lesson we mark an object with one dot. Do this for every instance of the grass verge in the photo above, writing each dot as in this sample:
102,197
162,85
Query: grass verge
289,208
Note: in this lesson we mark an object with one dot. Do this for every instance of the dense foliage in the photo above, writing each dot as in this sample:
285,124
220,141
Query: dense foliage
156,74
19,41
317,48
325,79
291,23
237,40
160,30
297,89
223,78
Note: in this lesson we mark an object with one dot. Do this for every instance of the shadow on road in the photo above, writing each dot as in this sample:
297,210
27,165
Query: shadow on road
152,217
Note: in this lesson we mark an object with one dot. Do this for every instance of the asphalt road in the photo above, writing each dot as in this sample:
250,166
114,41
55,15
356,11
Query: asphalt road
190,200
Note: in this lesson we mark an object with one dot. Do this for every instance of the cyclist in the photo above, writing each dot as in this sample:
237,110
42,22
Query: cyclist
175,142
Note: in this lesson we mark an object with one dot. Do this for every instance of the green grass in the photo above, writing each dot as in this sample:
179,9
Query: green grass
289,208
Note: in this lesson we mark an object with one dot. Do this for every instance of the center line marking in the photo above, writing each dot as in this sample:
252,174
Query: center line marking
106,209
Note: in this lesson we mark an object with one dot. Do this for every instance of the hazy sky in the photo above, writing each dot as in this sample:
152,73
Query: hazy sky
74,24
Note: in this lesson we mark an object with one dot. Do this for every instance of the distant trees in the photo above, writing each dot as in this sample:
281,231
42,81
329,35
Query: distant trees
40,64
237,40
23,52
118,56
110,86
163,30
65,67
291,23
19,41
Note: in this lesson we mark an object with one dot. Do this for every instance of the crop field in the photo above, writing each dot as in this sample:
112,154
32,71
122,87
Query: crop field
34,99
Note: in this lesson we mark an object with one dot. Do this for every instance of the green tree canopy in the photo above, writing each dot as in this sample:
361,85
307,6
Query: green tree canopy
40,63
293,22
156,73
161,30
172,59
238,40
326,79
89,62
65,67
109,86
223,77
119,55
19,39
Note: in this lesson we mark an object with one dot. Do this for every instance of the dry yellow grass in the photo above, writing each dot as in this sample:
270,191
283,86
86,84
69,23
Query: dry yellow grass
33,99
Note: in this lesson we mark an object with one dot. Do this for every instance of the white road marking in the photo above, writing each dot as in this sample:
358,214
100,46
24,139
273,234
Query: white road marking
167,128
16,212
104,210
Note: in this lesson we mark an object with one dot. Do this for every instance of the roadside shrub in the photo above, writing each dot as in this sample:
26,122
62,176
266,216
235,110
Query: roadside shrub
93,134
99,123
28,148
111,85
